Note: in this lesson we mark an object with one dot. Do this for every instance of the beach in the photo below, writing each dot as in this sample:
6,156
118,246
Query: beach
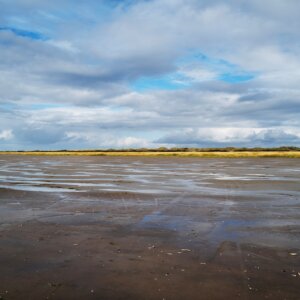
115,227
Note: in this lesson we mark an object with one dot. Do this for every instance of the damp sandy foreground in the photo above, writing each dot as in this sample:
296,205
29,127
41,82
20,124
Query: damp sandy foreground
149,228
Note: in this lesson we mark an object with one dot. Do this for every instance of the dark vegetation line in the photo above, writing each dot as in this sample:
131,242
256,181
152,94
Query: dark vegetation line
175,149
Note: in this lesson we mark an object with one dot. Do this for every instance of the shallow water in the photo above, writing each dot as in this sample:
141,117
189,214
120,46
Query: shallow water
136,175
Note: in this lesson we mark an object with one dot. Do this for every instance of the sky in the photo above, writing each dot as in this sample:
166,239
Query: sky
149,73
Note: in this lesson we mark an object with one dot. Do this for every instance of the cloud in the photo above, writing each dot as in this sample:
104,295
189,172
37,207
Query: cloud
138,72
224,137
6,134
24,33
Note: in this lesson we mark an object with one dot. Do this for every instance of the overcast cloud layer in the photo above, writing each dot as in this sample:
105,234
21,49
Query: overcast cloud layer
120,74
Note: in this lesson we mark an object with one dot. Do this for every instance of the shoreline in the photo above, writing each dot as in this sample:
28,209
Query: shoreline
202,154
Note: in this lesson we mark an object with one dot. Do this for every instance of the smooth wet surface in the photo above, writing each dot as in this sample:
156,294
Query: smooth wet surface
149,228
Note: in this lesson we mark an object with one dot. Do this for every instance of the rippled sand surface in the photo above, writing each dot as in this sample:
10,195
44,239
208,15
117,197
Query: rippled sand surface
149,228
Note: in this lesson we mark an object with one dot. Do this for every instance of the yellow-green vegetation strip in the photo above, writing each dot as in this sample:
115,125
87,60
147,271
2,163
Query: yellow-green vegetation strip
225,154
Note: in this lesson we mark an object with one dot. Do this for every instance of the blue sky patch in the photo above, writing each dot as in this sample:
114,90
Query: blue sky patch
7,106
235,77
40,106
167,82
25,33
224,71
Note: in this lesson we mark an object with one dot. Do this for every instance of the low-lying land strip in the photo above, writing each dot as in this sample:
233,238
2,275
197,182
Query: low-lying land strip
154,152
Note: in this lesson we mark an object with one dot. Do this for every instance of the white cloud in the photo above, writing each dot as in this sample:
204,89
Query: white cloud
105,141
131,142
6,134
253,137
86,68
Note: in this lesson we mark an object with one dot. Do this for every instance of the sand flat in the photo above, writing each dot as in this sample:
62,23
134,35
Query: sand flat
149,228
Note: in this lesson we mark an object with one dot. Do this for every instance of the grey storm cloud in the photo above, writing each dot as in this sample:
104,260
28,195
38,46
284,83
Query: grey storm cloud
73,73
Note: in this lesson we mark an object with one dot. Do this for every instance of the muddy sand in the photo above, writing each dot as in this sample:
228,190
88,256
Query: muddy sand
149,228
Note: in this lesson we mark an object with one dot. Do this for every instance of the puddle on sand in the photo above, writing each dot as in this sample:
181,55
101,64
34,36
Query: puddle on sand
231,230
215,231
254,231
180,224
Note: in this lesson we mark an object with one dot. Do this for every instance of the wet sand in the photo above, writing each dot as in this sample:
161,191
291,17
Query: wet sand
149,228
